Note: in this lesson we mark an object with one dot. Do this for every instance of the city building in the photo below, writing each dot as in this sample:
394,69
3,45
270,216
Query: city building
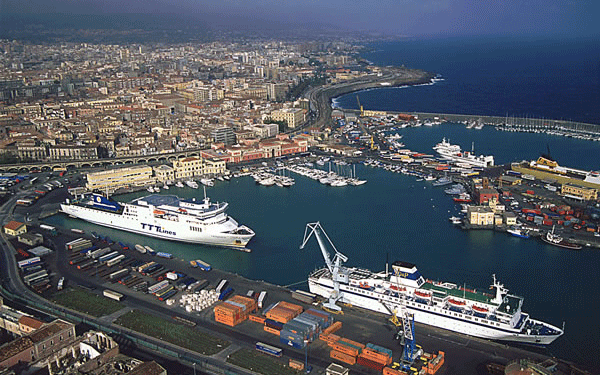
15,228
293,117
114,179
579,192
164,173
484,195
73,152
223,135
480,215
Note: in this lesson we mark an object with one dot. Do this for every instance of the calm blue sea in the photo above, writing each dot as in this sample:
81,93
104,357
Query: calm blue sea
408,219
558,78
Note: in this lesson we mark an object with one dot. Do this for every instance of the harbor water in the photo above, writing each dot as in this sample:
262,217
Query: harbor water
408,219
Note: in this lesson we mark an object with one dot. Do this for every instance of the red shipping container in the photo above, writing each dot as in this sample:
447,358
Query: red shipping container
547,222
371,364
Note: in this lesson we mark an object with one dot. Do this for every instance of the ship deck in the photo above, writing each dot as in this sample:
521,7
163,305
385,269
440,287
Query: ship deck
453,292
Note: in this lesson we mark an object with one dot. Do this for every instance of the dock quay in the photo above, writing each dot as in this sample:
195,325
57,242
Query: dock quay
463,354
524,124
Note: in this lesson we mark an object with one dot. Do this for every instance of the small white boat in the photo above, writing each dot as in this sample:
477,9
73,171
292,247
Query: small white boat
140,248
191,183
455,220
207,182
179,184
166,187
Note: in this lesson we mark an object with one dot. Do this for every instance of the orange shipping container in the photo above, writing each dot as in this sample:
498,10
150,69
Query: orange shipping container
355,343
391,371
376,356
436,363
333,328
272,330
250,303
345,349
227,321
257,319
296,364
296,308
343,357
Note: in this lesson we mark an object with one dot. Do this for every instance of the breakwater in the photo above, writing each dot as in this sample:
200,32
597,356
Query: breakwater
518,123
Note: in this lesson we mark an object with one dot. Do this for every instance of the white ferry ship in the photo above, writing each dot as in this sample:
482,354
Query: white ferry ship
164,216
496,316
462,158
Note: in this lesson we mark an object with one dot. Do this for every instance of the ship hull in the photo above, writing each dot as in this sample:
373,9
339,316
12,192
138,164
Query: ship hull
429,315
213,234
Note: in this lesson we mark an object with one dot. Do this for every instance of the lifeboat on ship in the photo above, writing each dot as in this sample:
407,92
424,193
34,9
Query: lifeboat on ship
394,287
159,212
456,302
479,309
183,210
422,294
364,285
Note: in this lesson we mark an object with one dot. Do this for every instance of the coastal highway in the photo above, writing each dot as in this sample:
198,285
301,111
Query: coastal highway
320,97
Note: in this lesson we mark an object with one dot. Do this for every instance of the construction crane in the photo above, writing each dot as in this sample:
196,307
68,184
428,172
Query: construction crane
362,112
405,327
339,273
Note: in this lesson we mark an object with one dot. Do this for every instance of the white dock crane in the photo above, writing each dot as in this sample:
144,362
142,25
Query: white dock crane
339,273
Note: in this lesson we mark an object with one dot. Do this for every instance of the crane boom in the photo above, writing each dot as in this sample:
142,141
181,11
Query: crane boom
338,272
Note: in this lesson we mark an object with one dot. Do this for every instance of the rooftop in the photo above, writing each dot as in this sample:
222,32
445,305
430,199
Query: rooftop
15,347
13,225
49,330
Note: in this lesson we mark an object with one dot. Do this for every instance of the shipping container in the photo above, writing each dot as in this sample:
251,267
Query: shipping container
273,331
221,285
108,256
224,294
118,274
30,261
115,260
100,252
303,296
261,299
369,363
167,295
274,324
112,295
343,357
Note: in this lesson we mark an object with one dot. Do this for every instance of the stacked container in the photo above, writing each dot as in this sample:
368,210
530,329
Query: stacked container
330,339
283,312
235,310
377,354
343,357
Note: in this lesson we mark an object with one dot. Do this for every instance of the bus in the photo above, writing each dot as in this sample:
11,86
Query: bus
268,349
112,295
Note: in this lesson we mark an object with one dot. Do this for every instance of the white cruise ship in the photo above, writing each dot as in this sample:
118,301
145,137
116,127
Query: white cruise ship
164,216
454,154
443,305
496,316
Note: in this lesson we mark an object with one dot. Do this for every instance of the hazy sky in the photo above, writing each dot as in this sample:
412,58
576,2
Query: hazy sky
407,17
